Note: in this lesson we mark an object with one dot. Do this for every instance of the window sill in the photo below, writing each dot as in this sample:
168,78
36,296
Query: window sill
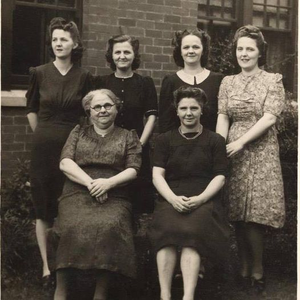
14,98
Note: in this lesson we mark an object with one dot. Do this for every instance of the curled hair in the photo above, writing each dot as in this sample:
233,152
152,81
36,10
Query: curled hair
71,27
135,44
177,40
254,33
86,101
190,92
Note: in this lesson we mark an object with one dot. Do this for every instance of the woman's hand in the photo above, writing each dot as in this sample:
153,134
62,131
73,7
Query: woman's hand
102,199
100,186
180,204
194,202
234,148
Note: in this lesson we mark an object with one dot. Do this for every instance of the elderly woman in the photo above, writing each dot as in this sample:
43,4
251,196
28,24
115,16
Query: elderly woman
54,108
191,53
249,104
94,212
139,110
190,166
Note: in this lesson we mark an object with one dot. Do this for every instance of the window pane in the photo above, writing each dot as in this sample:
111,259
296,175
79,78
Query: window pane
26,0
284,19
258,1
66,3
258,15
26,49
46,1
272,2
284,2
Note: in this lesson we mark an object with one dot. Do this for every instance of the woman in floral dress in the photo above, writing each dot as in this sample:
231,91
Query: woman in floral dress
249,104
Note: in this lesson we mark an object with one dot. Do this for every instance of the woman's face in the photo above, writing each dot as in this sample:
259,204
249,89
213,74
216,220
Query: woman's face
191,49
123,55
62,43
189,112
103,111
247,53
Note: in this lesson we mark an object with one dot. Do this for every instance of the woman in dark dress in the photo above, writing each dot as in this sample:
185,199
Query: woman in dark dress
94,211
189,170
139,111
54,108
191,52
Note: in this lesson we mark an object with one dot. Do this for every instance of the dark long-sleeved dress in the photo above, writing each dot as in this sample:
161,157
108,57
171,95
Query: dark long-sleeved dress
167,114
190,165
139,101
56,99
94,235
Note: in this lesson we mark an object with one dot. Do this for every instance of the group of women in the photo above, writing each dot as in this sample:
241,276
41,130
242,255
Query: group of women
95,130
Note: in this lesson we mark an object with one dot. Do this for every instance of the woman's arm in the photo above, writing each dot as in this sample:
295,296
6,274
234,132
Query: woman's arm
100,186
260,127
148,129
159,181
74,172
212,189
223,125
33,120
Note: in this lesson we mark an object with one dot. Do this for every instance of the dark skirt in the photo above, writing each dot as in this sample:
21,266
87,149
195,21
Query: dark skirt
204,229
45,177
93,235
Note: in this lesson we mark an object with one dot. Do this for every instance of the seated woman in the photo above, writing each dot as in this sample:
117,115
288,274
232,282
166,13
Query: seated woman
94,211
190,166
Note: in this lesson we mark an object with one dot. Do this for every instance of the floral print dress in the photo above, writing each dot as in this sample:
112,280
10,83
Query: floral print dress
255,186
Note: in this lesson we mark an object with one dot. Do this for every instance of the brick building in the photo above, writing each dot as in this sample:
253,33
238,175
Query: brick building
152,21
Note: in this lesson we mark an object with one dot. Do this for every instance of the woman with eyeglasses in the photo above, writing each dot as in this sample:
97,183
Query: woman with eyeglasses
139,111
94,212
54,108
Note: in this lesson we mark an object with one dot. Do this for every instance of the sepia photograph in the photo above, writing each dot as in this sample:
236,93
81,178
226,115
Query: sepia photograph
149,149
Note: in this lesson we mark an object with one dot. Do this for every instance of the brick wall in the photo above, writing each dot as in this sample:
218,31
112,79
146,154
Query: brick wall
16,138
153,22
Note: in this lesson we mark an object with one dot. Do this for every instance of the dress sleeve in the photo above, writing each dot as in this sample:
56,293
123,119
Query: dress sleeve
166,111
161,151
275,99
89,84
150,97
69,148
134,151
99,82
33,93
220,160
223,97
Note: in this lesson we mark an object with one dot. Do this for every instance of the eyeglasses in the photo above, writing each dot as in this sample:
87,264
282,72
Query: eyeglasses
106,106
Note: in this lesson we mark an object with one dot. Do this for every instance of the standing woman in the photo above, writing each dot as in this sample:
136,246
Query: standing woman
139,100
54,108
249,104
191,53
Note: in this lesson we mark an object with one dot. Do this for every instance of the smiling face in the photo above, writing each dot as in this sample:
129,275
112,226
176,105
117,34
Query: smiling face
191,49
104,118
189,112
123,55
62,44
247,54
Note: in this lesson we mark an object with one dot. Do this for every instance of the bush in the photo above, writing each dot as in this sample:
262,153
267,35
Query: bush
19,249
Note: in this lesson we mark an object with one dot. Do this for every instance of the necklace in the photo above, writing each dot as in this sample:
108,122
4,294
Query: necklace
190,138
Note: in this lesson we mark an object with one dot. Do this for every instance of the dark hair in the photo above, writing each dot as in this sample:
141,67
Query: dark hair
176,42
71,27
254,33
86,101
190,92
135,44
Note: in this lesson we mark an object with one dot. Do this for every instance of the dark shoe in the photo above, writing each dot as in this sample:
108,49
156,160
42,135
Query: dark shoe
259,285
48,281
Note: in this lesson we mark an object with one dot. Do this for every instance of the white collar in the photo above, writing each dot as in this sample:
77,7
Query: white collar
190,79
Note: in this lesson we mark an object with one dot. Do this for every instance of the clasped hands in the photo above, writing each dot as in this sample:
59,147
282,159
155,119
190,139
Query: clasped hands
185,204
98,188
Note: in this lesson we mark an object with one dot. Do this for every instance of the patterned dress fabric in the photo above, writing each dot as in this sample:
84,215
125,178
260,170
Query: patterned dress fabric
94,235
56,99
255,186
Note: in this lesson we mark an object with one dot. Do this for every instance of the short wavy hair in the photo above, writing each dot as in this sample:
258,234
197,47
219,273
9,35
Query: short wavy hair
177,40
254,33
135,44
190,92
71,27
86,101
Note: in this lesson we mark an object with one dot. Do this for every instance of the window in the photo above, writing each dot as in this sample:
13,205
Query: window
27,41
273,14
